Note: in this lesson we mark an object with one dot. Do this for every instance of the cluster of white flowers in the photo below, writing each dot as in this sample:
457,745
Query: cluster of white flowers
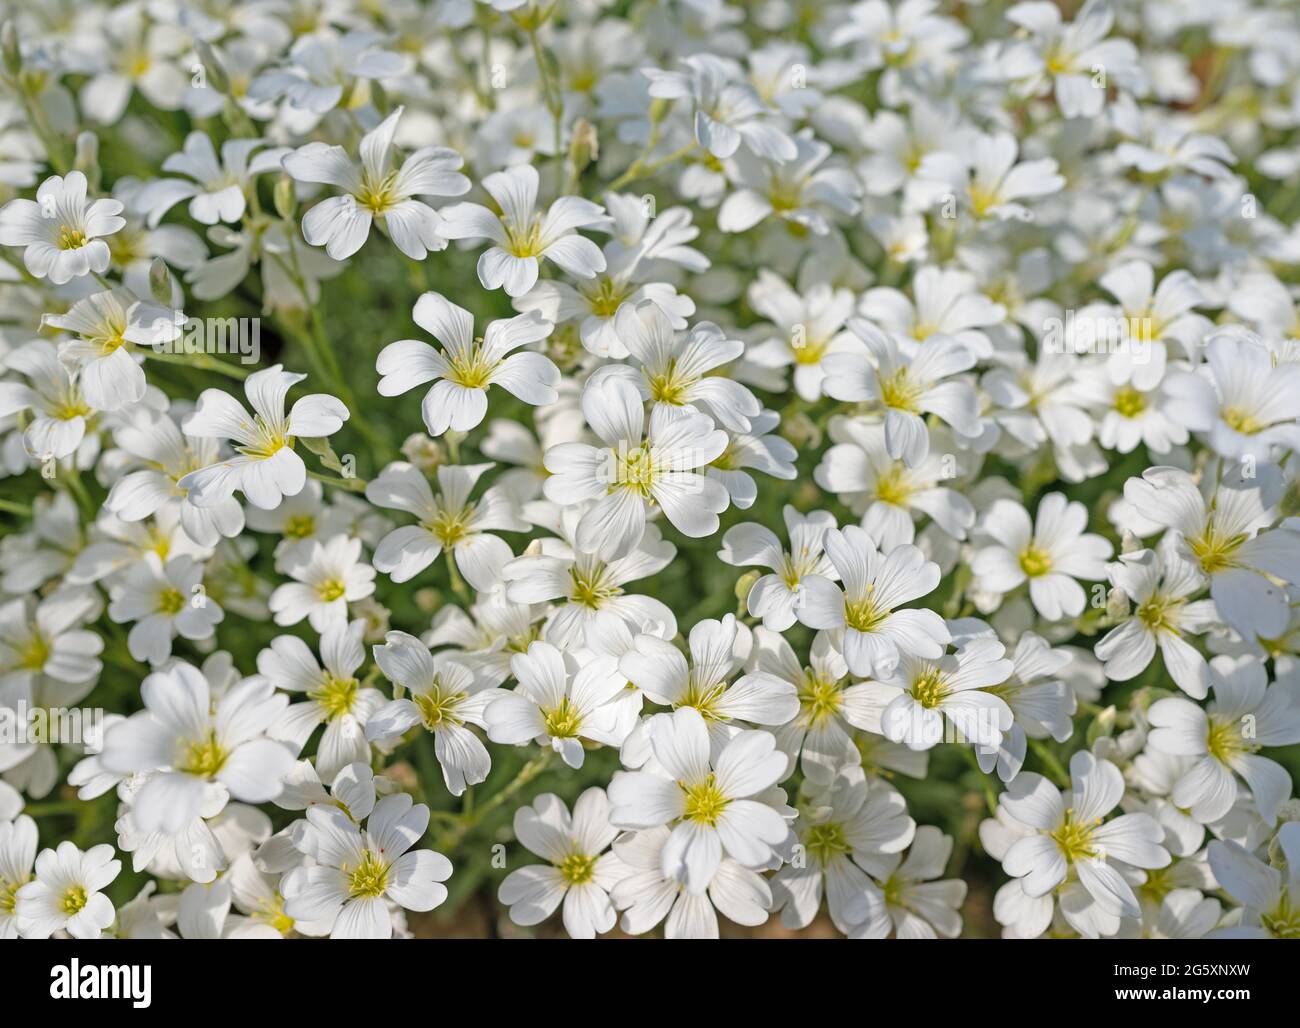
819,418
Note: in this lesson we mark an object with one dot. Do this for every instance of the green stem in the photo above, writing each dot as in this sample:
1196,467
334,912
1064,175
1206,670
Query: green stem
1054,767
352,485
450,840
14,507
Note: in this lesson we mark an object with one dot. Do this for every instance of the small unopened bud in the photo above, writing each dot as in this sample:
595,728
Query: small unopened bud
802,431
13,56
285,198
160,281
428,600
212,67
425,453
86,159
1103,725
584,147
745,583
1118,604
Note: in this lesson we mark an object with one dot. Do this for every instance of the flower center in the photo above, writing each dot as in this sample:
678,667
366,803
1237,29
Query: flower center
1129,403
71,238
471,370
34,653
900,391
607,298
9,893
635,470
300,526
378,195
171,602
670,385
1215,551
203,757
894,486
1283,921
267,440
930,687
704,802
1075,838
818,698
451,526
336,695
369,879
1035,561
331,589
526,240
74,899
590,589
577,869
562,722
826,841
863,614
1223,739
1241,421
437,709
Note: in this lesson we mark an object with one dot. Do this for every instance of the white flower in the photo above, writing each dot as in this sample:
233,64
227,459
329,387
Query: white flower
1067,56
636,470
908,901
903,389
334,696
863,606
201,747
727,113
646,894
267,467
467,366
17,854
1070,838
917,696
660,671
887,493
323,65
720,807
1160,591
358,871
164,601
1269,896
558,703
675,374
59,411
215,188
580,874
799,191
776,597
60,229
810,325
66,895
48,638
1227,535
444,697
591,590
326,579
522,237
847,833
375,191
1049,554
109,323
1247,403
1224,739
947,304
155,456
985,178
449,521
